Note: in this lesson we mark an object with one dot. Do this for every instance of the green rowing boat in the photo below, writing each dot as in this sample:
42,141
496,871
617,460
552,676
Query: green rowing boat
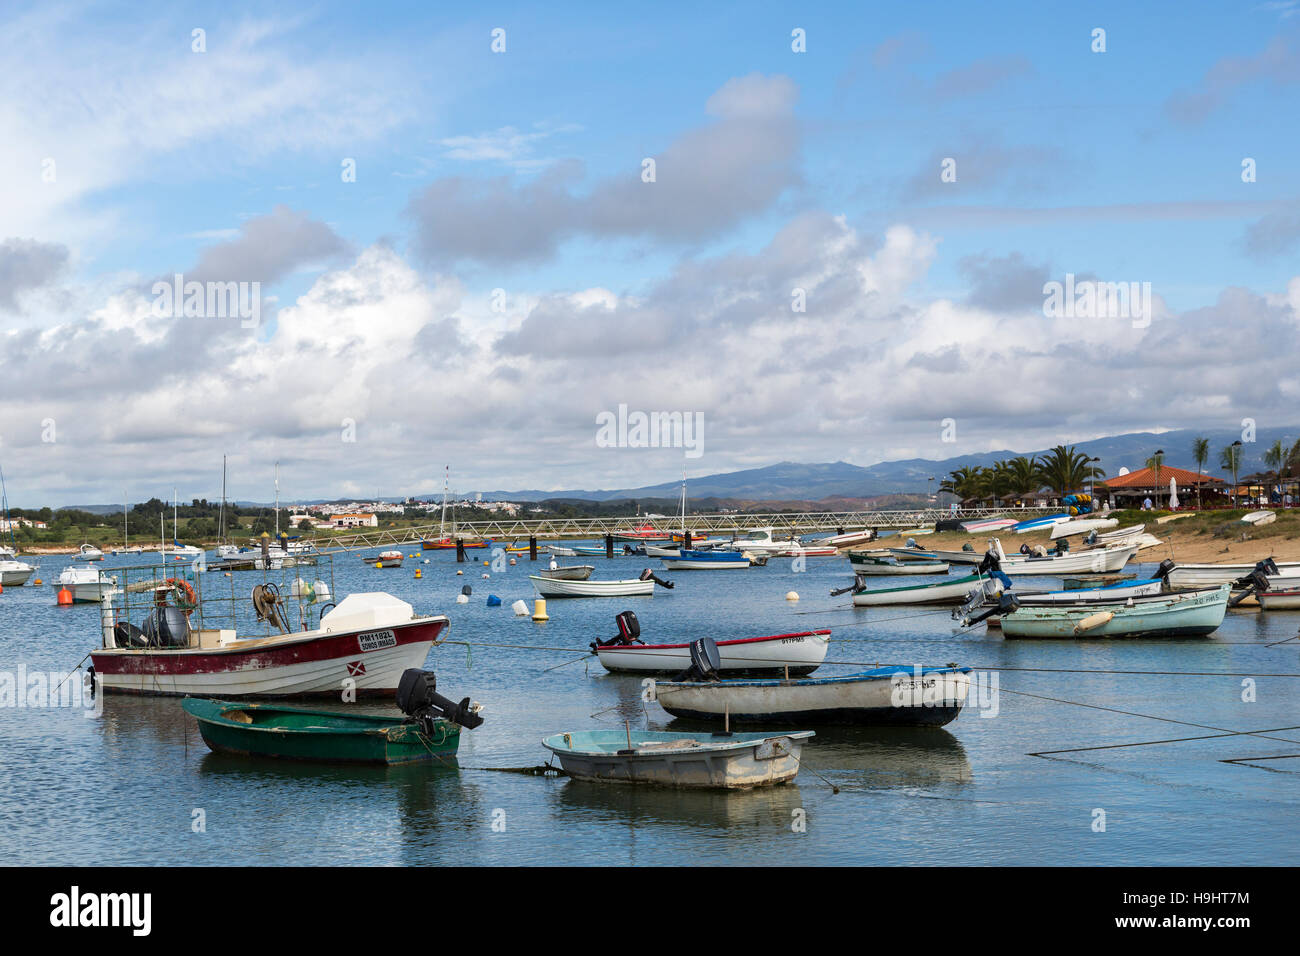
293,733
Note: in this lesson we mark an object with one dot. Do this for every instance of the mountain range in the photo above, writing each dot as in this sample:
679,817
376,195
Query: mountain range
789,481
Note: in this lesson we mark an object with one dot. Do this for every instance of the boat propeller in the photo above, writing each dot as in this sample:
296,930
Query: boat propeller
1254,582
1007,603
418,698
649,575
858,584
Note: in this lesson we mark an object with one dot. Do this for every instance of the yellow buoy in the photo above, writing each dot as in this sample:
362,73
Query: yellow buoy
418,573
460,572
539,610
792,595
379,564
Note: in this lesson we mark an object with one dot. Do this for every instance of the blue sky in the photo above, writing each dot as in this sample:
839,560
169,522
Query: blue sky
519,171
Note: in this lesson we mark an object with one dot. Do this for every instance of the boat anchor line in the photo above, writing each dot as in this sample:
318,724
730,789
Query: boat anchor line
1251,762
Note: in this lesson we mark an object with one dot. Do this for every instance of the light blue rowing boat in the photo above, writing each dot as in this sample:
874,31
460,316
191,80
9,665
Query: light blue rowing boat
1176,614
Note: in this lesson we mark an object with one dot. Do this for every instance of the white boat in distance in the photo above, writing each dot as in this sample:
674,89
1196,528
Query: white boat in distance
572,572
714,560
1075,526
871,564
565,588
86,584
88,552
798,654
941,592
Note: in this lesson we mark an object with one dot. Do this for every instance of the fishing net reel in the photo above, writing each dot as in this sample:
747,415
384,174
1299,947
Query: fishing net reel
418,699
629,632
268,605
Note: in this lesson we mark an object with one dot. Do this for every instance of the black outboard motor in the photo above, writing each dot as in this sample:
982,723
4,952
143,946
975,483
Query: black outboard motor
705,662
418,698
649,575
1063,546
1162,572
1008,603
629,632
859,583
166,626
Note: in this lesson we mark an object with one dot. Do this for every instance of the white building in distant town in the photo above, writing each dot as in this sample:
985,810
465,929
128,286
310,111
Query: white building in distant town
354,519
9,524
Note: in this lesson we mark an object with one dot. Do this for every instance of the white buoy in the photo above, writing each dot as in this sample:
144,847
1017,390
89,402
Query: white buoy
520,608
792,595
462,598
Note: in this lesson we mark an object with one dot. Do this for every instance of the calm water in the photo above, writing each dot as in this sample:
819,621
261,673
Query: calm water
122,789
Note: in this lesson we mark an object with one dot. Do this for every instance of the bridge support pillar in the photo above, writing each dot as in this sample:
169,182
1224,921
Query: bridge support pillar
609,545
460,550
532,547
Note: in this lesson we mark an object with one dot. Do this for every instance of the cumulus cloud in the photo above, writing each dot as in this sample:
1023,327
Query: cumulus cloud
707,180
269,247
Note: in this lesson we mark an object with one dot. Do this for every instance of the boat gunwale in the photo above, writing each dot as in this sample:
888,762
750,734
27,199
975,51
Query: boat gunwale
879,673
732,643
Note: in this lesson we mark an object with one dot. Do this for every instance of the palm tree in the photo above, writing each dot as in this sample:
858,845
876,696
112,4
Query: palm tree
1275,457
1200,454
1230,459
1065,468
1025,475
964,482
1154,463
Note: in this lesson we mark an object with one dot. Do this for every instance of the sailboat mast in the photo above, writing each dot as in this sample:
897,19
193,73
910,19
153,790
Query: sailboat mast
176,510
126,538
221,529
277,501
446,482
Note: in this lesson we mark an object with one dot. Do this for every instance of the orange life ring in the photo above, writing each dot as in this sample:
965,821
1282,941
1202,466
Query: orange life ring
190,601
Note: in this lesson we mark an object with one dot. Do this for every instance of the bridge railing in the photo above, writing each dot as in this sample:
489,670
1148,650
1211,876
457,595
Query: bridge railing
700,525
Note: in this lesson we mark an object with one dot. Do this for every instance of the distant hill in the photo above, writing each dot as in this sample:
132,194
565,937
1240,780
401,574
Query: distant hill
795,485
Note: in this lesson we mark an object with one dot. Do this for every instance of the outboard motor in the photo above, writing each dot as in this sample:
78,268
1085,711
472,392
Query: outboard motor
859,583
1090,538
649,575
1008,603
418,698
1063,546
166,626
1162,572
629,632
705,662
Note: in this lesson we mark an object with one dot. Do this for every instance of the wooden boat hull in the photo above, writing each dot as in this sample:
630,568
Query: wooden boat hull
944,592
313,664
886,696
449,544
800,654
693,761
292,733
562,588
1194,614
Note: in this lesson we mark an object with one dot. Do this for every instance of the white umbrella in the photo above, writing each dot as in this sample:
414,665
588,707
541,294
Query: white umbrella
1173,493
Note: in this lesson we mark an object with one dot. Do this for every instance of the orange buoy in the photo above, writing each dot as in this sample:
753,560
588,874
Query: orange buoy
2,589
65,597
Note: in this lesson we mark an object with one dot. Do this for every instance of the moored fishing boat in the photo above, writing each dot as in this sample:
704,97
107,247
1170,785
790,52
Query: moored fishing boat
573,572
1280,598
550,587
1199,575
889,696
940,592
947,556
850,539
777,654
88,552
429,730
364,642
1177,614
661,758
14,573
1094,561
712,560
385,559
890,564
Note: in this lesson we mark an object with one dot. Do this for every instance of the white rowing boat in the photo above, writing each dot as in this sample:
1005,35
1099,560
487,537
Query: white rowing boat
889,564
777,654
1200,575
941,592
893,696
562,588
1081,526
1095,561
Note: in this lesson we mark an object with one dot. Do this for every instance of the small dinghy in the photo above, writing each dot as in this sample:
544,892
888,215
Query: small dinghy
1194,613
644,586
885,696
892,564
429,731
665,759
574,572
385,559
709,560
940,592
777,655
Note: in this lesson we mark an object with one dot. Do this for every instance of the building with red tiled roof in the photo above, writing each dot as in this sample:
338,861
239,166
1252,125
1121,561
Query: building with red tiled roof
1130,489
